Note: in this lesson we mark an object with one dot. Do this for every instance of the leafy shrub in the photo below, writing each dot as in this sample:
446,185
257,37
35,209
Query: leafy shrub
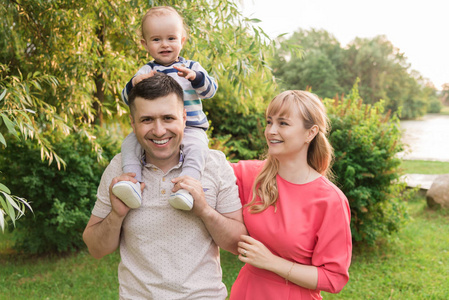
62,200
366,166
434,106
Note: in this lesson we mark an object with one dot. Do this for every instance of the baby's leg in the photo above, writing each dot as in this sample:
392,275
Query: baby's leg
195,152
131,156
127,191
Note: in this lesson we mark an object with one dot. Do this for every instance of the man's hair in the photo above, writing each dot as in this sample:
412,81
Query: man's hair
158,85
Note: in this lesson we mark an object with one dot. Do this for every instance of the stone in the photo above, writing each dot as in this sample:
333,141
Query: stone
438,194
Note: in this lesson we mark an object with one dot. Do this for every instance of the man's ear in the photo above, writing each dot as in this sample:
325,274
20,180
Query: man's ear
132,122
184,116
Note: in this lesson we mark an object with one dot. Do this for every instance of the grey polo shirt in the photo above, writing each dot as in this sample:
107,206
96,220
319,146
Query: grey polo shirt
168,253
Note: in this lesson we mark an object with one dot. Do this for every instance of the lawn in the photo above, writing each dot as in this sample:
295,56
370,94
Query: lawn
424,167
410,265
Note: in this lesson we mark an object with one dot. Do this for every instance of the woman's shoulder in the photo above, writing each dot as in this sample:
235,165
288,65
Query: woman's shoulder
331,192
247,167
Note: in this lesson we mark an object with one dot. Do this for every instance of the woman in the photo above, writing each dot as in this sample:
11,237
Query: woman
298,221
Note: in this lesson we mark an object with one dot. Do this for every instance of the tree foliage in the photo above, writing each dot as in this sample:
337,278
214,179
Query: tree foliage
64,64
328,69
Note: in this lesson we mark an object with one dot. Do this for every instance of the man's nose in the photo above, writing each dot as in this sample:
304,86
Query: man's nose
159,129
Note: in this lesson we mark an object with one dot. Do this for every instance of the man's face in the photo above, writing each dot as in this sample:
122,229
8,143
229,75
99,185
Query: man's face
159,127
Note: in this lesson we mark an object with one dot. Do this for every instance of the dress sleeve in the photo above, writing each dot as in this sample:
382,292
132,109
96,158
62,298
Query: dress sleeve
246,172
332,253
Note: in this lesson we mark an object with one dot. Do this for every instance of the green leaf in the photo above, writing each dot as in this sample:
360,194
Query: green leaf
4,188
9,124
12,202
2,220
2,139
8,209
3,94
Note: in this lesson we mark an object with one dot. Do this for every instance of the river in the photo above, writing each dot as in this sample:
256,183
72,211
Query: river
426,138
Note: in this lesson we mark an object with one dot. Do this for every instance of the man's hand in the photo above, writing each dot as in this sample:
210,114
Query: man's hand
185,72
141,77
118,207
194,187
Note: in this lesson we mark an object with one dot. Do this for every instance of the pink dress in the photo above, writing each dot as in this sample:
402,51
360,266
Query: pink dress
310,227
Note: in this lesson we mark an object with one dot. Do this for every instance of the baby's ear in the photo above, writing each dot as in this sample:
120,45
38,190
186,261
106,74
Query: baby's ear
183,40
143,42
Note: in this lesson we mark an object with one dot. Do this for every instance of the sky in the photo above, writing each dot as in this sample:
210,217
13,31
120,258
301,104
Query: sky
420,29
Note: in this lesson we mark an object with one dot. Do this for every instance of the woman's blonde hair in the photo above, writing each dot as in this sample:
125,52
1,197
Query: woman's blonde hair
319,155
158,11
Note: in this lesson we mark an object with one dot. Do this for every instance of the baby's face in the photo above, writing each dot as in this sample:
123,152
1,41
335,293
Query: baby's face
163,38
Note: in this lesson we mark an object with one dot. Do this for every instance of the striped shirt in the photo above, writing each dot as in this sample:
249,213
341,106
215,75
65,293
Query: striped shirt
203,87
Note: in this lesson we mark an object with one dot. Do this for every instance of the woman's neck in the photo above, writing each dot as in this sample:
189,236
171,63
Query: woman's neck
297,171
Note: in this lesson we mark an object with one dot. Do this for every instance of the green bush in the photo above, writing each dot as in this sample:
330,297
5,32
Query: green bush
366,168
62,200
434,106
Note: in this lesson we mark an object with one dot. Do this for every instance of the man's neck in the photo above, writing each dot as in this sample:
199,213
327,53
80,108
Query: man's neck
165,165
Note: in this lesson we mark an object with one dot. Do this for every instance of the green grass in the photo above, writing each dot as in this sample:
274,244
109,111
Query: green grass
445,110
424,167
74,276
410,265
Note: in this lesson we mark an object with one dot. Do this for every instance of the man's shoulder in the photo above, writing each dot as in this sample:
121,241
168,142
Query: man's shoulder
114,164
216,155
216,161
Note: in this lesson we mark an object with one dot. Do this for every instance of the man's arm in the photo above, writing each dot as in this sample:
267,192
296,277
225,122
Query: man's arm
225,229
102,236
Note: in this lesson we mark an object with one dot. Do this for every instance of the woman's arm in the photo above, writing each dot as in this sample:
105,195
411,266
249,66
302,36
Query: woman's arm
255,253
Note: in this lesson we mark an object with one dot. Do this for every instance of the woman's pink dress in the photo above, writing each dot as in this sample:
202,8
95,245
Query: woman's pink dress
310,226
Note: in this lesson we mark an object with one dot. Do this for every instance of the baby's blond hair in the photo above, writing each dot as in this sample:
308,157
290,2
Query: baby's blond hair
158,11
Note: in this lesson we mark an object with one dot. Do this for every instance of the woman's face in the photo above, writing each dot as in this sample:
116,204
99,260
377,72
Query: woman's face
286,136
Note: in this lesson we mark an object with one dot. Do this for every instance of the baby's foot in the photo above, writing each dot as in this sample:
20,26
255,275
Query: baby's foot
128,192
181,200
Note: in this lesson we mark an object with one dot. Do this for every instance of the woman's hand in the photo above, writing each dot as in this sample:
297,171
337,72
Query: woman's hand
255,253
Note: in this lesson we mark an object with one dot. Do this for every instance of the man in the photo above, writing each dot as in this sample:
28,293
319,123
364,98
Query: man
166,253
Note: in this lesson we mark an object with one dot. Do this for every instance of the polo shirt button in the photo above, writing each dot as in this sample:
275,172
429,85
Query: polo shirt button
163,192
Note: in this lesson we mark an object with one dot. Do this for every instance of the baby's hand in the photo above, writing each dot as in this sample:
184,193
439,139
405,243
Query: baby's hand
141,77
185,72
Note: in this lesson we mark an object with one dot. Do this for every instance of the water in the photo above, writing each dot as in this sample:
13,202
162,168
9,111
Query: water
426,138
